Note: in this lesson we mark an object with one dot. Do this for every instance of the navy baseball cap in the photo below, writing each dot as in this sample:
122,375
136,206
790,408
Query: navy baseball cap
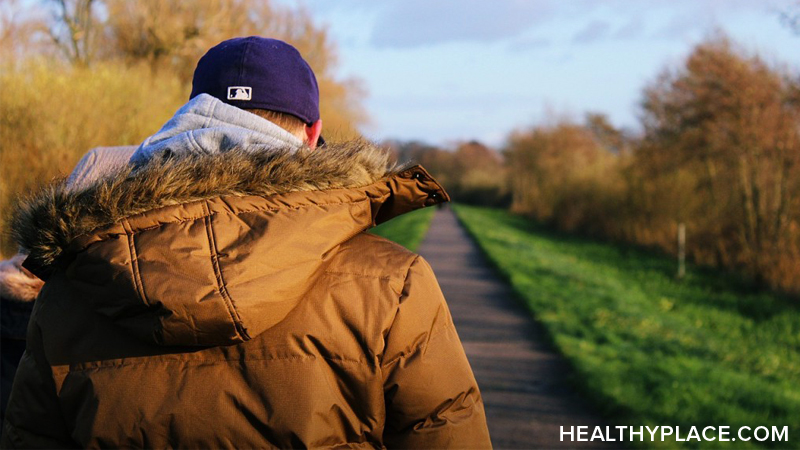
259,73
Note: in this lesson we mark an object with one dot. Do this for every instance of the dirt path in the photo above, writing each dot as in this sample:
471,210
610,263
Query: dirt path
521,378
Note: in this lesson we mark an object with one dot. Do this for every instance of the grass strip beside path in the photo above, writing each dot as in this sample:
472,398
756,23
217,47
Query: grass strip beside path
651,350
407,230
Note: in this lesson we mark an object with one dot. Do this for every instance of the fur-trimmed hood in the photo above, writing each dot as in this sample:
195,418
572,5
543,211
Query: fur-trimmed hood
158,239
48,221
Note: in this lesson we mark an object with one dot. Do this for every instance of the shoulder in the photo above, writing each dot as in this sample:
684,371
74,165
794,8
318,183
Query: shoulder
373,256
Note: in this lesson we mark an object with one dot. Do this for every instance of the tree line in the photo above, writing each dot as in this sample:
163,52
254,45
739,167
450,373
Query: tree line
718,151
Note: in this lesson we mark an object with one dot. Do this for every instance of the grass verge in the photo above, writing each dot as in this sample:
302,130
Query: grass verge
651,350
407,230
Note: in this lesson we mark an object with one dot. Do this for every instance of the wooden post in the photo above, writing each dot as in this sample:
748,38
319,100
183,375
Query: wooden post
681,250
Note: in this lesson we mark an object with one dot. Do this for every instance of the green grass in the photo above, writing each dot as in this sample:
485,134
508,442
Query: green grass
407,230
647,348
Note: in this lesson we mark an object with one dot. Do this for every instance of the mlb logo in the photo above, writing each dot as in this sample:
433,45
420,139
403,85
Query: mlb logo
240,93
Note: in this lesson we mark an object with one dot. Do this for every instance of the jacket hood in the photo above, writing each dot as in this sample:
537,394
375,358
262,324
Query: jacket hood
212,249
97,163
206,125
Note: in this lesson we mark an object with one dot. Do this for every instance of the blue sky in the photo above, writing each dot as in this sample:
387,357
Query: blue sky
448,70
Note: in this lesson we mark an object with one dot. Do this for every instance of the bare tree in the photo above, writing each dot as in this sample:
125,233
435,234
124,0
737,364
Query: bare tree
18,25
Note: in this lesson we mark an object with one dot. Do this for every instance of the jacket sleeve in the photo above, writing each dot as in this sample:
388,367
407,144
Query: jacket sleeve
33,417
432,398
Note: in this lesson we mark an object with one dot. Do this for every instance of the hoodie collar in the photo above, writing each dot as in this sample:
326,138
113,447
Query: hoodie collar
206,125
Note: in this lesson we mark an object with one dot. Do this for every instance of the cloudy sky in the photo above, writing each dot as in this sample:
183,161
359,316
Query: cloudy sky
447,70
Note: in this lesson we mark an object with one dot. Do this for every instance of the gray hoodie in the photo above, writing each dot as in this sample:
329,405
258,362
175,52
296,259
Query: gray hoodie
203,125
206,125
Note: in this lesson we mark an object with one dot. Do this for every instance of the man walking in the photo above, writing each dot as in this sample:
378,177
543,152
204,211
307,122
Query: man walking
220,291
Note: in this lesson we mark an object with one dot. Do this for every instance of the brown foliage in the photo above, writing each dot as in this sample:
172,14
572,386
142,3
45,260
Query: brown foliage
471,172
727,120
720,153
563,174
117,80
171,35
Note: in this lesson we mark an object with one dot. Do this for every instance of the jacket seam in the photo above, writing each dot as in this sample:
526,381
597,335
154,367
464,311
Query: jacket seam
470,393
209,361
137,276
435,331
362,275
439,330
223,290
211,213
193,141
397,308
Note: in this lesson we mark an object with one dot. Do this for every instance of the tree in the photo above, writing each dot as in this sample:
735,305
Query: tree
471,172
609,137
560,174
74,29
15,30
172,35
122,67
728,119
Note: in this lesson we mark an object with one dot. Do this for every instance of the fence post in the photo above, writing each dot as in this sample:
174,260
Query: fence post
681,250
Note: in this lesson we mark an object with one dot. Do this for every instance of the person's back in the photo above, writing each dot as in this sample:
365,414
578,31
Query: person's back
233,299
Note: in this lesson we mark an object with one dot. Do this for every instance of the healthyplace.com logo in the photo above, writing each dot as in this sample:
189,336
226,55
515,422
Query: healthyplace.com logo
662,433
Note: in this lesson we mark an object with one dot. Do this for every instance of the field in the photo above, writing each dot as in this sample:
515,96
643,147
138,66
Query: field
407,230
647,348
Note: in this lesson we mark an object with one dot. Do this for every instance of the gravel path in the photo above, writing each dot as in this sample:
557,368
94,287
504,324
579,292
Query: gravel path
522,380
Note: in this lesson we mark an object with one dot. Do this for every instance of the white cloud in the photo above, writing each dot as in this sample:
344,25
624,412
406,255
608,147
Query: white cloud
530,43
412,23
593,31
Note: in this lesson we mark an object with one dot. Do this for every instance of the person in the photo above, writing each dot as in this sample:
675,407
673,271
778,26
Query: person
220,290
18,289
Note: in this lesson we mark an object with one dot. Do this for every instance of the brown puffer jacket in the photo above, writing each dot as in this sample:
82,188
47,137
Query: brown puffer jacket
235,301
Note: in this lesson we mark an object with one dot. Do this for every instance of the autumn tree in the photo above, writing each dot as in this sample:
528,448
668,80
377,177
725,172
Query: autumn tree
562,173
171,35
75,30
727,120
470,171
77,74
607,135
17,30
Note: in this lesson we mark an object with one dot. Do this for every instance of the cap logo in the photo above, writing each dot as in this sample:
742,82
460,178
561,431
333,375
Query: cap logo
240,93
